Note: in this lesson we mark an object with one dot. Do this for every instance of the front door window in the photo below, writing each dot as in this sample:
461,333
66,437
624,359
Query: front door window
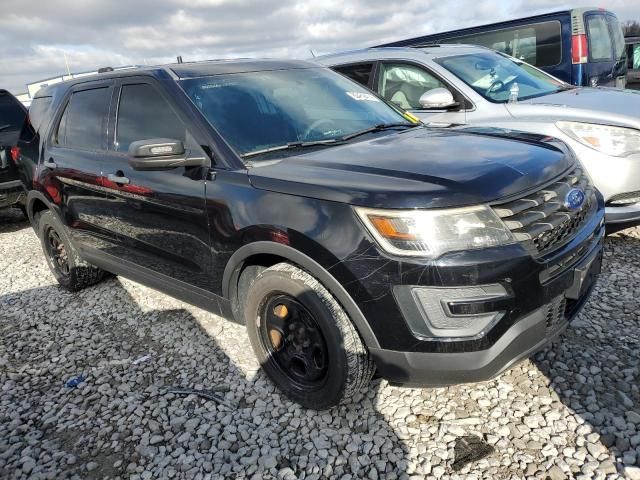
404,84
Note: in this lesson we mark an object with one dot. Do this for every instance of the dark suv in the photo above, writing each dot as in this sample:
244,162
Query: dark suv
12,117
347,237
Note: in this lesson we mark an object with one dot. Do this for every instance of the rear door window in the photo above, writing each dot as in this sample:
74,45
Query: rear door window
83,122
360,72
403,84
143,114
600,45
12,116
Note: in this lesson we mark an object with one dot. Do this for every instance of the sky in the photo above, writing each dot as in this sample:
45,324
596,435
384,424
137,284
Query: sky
36,39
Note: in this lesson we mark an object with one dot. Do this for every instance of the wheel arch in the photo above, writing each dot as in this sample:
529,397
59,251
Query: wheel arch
37,202
269,253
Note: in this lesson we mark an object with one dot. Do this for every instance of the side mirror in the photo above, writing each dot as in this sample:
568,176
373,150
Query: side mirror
437,99
161,153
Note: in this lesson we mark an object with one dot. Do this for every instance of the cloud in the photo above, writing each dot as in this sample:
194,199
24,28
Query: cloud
35,38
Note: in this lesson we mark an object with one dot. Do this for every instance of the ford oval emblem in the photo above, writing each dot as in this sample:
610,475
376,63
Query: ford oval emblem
574,199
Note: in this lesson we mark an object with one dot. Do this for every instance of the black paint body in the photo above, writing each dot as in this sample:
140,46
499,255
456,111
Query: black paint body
190,231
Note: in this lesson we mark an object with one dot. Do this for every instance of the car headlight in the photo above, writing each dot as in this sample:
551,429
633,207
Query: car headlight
430,233
615,141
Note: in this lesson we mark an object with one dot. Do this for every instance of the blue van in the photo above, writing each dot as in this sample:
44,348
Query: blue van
583,46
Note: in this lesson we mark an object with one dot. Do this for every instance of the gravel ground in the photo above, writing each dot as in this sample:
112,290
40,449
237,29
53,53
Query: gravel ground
571,412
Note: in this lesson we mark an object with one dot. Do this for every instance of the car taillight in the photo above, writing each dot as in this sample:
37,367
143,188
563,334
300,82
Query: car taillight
579,52
15,154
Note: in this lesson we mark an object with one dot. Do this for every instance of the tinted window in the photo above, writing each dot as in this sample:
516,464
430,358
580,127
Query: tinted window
599,39
10,112
404,84
82,124
144,114
361,73
11,119
538,44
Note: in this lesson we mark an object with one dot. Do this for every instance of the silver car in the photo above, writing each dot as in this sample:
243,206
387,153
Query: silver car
460,84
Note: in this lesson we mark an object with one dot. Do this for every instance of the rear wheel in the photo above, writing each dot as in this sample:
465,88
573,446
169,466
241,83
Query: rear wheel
303,338
68,268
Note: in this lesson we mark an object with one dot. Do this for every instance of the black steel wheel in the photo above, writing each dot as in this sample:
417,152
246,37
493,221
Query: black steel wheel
293,339
303,339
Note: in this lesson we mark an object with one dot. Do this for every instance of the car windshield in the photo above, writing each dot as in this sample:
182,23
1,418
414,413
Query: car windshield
261,111
497,76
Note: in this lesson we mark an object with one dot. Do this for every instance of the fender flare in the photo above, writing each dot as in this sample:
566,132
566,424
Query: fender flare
237,260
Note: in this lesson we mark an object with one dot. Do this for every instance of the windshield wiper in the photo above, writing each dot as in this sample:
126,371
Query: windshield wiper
4,127
291,145
378,128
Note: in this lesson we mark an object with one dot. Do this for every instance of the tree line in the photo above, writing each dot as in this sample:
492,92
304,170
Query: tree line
631,28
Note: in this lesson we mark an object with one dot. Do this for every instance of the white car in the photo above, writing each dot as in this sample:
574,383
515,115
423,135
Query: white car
461,84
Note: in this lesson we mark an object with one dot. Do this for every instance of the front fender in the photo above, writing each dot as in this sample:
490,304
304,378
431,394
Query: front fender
237,260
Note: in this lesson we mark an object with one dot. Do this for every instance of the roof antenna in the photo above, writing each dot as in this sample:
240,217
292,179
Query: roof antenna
179,59
312,54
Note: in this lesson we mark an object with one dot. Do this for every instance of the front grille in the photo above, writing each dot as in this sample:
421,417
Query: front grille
541,221
556,313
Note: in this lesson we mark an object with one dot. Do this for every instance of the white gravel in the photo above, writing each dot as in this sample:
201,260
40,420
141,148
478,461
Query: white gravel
572,412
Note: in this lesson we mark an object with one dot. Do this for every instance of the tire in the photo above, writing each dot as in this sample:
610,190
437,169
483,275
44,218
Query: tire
71,272
336,364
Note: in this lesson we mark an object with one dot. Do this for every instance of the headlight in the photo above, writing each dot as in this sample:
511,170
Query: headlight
430,233
615,141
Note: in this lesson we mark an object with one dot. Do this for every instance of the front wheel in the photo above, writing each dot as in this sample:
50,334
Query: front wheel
304,340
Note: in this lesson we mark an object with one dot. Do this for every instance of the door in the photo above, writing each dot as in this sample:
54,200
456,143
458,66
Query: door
404,83
157,219
73,162
607,66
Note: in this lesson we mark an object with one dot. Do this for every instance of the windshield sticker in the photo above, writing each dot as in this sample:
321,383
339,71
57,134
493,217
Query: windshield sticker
363,96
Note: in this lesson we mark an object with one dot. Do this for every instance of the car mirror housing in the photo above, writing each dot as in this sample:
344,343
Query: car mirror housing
437,98
161,153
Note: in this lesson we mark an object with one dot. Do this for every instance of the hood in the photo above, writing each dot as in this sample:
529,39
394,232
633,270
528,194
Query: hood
418,168
601,105
12,116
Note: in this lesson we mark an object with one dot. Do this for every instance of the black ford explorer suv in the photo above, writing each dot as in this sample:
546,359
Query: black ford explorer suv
345,236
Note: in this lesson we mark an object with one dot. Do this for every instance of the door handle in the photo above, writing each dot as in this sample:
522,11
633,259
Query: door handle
50,164
119,179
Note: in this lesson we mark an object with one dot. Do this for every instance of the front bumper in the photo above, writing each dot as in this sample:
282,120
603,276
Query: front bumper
544,294
527,336
626,216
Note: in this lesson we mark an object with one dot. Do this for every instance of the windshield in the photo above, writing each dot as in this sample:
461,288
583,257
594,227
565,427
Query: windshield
497,76
262,110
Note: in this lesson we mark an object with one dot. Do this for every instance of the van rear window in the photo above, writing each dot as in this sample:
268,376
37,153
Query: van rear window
539,44
600,47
